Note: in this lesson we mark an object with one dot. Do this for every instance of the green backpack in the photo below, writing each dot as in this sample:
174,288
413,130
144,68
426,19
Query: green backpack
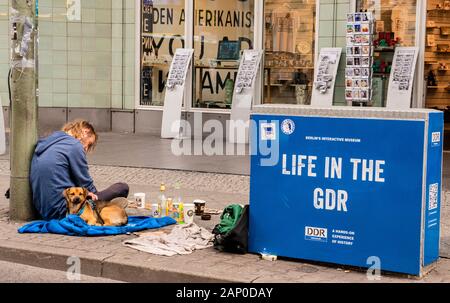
231,234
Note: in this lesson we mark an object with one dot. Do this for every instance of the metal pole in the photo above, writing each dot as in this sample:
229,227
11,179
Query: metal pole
24,105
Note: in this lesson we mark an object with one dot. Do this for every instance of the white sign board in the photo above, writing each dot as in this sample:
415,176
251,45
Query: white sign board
173,101
402,78
2,130
325,77
243,96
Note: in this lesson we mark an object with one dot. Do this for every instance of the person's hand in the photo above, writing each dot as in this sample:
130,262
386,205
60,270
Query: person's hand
93,196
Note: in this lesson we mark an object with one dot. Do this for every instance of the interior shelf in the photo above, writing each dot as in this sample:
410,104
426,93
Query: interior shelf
384,49
438,10
437,55
289,67
439,87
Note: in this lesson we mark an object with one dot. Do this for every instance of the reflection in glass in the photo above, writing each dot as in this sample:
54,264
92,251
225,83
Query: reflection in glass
220,34
289,51
395,26
437,58
162,33
394,19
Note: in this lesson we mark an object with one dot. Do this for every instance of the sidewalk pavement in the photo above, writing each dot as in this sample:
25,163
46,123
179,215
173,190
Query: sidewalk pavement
107,257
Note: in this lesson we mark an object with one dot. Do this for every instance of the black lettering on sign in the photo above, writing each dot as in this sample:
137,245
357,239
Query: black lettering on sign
202,47
147,23
220,85
248,41
155,16
237,17
207,82
220,18
162,80
163,15
147,8
157,46
200,17
146,86
249,18
182,17
209,17
147,45
229,20
171,42
207,78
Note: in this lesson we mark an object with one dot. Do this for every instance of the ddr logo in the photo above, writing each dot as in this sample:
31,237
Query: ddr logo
316,234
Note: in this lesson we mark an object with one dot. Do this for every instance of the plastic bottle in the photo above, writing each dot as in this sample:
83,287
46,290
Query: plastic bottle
177,194
179,201
169,207
162,200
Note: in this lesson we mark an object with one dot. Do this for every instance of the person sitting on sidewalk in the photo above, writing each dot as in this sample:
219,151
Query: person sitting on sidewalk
60,162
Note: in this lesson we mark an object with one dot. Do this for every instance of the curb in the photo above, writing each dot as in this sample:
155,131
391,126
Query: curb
97,265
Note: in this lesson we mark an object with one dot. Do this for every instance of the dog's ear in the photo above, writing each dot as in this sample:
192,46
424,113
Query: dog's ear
85,192
66,193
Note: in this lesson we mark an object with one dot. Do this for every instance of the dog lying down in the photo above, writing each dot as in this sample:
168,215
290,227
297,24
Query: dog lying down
99,213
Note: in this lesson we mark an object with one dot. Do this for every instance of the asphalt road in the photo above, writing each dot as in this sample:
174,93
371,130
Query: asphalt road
18,273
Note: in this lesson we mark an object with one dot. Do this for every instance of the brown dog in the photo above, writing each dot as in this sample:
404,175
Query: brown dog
104,213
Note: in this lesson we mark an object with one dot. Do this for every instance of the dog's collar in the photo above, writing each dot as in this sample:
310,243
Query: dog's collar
91,203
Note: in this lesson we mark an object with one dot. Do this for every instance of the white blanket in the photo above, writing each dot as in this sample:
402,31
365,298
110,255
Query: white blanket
182,240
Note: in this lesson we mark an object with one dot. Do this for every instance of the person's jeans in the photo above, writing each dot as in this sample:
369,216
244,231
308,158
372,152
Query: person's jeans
118,190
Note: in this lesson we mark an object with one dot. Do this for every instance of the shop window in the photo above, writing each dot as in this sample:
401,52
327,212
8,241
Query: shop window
221,33
396,19
395,26
162,32
289,50
437,59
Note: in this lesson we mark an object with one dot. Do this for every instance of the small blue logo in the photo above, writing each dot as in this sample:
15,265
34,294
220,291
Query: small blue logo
288,127
268,132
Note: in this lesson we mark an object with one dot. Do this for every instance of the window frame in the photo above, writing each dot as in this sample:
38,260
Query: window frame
258,42
189,43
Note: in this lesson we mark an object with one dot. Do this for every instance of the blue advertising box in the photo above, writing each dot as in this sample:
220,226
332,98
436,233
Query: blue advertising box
346,185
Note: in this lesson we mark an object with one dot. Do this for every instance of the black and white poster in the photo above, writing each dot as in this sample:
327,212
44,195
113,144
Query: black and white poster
402,77
325,77
243,95
247,70
175,92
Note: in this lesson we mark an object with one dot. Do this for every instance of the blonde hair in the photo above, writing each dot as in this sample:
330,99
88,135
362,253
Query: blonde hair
77,130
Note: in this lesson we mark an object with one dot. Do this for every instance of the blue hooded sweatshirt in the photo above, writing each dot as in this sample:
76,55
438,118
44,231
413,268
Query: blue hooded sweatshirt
59,162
